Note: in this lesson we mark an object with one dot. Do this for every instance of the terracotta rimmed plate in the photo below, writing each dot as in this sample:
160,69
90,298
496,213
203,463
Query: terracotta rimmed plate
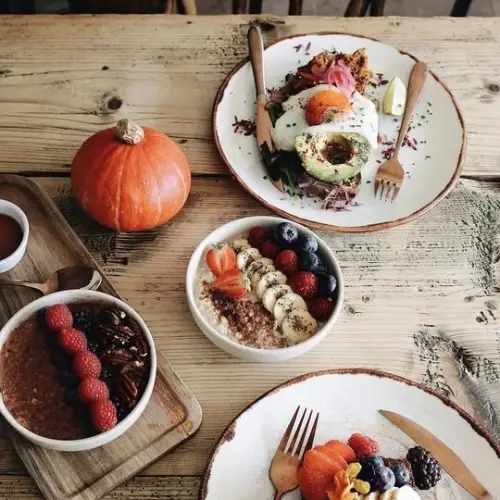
348,401
432,169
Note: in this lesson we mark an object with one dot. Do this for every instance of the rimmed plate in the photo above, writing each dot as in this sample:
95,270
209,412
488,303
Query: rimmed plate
432,166
348,401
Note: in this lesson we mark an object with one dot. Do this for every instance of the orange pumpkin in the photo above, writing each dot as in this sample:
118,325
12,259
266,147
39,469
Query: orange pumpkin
130,178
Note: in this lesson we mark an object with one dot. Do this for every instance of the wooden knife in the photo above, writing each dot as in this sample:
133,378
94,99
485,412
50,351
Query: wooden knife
264,123
446,457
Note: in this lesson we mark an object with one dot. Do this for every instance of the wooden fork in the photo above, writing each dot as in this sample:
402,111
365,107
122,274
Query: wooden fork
286,461
390,174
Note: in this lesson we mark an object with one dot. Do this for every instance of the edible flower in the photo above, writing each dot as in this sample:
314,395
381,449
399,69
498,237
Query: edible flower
346,486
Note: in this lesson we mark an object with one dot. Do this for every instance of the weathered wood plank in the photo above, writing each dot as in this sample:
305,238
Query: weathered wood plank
421,301
140,488
56,80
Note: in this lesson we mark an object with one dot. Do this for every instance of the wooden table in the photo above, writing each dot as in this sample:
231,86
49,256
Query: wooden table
421,300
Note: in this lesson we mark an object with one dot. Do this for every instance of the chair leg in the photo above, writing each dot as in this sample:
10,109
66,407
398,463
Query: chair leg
187,7
255,7
377,8
357,8
239,6
295,8
460,8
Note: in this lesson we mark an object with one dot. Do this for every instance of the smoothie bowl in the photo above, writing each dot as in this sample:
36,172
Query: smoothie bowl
77,369
264,289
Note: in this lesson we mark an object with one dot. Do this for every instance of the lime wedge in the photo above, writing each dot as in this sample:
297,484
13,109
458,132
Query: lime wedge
395,98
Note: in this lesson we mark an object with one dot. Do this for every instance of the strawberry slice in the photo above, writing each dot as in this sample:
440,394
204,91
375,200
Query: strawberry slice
221,259
232,283
344,450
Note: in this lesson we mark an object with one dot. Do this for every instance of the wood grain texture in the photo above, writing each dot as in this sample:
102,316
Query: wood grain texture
417,303
140,488
172,415
57,81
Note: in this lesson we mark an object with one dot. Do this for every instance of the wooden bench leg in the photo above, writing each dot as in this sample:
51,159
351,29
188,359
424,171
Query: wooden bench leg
357,8
255,7
460,8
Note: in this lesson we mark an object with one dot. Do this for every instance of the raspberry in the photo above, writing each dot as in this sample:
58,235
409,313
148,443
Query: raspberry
305,284
269,249
257,236
321,309
287,262
72,340
103,415
86,364
91,389
362,445
58,316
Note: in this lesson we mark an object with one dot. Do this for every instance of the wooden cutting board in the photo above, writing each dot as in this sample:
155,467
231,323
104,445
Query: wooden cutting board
172,416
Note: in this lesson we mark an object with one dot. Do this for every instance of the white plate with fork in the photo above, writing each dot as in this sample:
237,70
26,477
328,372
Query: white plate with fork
432,165
347,401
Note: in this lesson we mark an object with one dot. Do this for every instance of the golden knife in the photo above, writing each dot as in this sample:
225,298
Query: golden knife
446,457
264,124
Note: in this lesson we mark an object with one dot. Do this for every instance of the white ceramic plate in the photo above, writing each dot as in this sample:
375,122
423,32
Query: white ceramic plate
348,401
431,170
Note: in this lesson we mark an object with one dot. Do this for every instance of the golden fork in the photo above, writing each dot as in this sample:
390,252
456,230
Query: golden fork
285,465
390,174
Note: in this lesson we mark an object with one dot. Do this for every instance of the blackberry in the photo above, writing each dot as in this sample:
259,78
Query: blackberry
60,359
426,470
94,346
68,379
121,411
82,321
40,318
71,397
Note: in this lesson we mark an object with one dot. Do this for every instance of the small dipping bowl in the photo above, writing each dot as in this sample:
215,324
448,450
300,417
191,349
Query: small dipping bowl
14,212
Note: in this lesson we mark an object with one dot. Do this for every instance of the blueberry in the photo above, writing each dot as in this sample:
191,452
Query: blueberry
60,359
385,479
327,285
68,379
310,262
286,235
52,340
306,243
402,475
375,461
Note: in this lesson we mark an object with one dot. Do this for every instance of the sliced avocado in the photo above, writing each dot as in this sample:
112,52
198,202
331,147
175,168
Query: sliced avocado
332,156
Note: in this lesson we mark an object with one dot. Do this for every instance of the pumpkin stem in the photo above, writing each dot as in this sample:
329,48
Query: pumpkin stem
128,131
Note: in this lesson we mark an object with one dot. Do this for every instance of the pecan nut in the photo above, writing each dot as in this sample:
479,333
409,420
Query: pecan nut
117,356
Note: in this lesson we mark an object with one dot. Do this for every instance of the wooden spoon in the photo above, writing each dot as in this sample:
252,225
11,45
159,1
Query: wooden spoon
69,278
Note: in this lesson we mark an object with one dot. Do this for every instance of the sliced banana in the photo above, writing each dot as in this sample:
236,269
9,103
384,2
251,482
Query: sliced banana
298,326
271,295
257,264
247,256
288,303
258,273
240,244
268,280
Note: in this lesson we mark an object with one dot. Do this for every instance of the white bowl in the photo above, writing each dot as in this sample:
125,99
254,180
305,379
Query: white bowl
228,232
13,211
69,297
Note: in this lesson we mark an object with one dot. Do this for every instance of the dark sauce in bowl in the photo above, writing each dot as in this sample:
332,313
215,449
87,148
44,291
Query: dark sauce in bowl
11,236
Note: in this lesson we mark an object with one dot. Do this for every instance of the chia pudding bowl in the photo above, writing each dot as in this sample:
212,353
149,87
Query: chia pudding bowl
264,289
77,369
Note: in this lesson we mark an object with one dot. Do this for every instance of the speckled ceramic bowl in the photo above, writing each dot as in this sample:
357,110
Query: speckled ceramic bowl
228,232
